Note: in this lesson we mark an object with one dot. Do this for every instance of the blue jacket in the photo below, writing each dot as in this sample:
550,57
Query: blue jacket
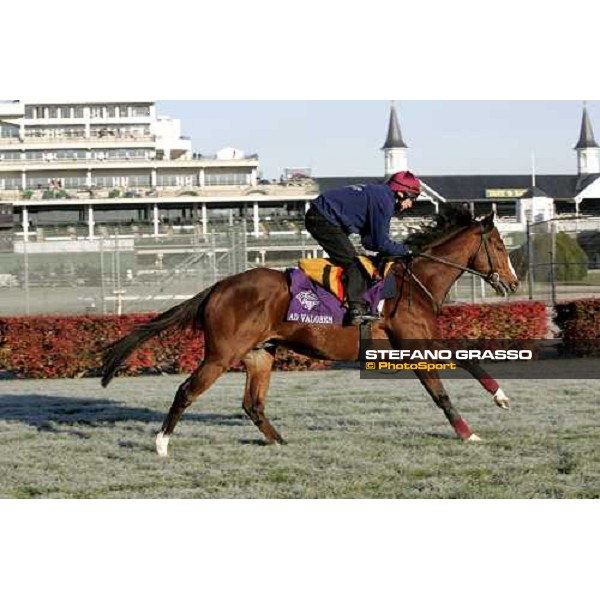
366,209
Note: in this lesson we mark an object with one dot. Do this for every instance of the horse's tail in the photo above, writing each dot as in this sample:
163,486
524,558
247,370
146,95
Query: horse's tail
187,314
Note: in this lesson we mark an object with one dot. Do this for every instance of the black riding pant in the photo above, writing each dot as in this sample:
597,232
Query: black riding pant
341,252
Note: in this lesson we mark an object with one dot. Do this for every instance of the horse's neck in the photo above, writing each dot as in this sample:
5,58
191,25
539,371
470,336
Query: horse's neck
439,278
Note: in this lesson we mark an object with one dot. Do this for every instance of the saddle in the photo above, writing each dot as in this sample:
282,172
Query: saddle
329,276
317,291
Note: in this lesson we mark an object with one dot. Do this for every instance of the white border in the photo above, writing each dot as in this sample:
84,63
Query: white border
313,50
318,549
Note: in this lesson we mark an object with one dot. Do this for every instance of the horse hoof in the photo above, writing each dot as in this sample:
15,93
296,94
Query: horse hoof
473,438
502,400
162,444
273,441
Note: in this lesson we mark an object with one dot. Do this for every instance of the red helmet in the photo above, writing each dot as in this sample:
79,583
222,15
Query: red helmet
405,181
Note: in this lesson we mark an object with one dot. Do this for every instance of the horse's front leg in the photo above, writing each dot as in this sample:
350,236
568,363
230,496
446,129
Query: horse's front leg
434,386
488,383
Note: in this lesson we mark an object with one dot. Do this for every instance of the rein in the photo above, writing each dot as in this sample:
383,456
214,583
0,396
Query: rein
491,277
408,271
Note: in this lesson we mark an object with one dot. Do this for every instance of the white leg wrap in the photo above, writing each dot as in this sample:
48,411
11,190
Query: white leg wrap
162,444
501,399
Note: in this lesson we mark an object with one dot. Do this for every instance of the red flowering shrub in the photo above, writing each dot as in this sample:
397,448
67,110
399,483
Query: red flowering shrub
49,346
579,323
510,321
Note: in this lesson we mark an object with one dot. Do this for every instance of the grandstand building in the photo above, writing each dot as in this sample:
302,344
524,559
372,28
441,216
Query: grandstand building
106,145
89,164
74,170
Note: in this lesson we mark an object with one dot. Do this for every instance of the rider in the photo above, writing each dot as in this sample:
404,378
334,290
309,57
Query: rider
365,209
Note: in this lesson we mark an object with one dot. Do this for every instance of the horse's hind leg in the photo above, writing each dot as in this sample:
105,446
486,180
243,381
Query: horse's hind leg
258,365
197,383
436,390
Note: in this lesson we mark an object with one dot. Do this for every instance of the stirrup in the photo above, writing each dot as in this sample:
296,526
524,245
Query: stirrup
368,318
358,314
361,319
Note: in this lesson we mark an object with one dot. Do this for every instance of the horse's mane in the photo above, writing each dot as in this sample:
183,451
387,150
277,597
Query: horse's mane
449,220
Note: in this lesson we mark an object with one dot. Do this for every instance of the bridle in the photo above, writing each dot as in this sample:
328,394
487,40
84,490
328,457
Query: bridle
492,277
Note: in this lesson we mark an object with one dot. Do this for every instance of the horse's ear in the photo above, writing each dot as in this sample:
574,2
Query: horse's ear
487,223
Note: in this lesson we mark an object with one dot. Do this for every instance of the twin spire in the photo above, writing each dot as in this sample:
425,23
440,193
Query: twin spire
586,137
394,136
587,147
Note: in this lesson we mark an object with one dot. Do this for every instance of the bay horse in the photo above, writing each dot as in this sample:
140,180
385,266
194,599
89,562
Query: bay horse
244,319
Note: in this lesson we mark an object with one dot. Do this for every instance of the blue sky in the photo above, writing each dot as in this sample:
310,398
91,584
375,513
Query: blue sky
344,137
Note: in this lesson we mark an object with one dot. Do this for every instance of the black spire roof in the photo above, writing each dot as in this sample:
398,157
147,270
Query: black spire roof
586,137
394,136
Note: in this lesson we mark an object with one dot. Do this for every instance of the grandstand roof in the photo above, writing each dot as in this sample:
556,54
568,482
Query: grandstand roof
473,187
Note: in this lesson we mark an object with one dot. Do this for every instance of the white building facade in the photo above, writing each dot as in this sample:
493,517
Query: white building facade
83,146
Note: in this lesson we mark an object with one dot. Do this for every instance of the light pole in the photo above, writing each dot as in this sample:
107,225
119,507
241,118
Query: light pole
552,261
529,261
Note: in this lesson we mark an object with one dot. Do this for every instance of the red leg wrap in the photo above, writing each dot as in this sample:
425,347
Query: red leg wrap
489,384
462,429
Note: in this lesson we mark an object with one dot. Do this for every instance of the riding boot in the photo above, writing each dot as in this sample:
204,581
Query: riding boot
356,286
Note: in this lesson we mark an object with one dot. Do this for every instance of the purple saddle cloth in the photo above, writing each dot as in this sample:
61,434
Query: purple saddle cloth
313,304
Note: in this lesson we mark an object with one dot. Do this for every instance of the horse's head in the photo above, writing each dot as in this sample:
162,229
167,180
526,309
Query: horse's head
491,258
458,240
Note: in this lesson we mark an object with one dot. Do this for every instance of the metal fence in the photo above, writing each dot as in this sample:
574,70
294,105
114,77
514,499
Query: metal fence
121,271
115,273
560,260
555,260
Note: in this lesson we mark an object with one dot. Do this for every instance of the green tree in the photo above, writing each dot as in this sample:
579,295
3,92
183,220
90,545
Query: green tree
570,260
